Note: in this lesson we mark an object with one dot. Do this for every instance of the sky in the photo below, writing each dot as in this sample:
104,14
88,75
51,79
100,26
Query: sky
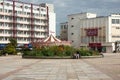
66,7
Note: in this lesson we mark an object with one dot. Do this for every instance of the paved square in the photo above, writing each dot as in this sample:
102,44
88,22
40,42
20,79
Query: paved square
16,68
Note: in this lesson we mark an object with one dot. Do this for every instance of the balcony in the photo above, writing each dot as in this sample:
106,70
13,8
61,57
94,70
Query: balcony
4,20
23,22
5,35
23,29
5,28
4,42
4,13
22,15
39,36
23,35
23,42
40,30
43,18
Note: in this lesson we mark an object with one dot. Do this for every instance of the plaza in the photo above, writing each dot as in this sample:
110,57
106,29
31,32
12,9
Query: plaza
16,68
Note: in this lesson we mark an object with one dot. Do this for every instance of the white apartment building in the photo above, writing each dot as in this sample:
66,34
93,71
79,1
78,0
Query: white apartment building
88,30
26,22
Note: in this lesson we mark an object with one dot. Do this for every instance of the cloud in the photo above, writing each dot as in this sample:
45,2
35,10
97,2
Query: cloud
66,7
60,3
112,0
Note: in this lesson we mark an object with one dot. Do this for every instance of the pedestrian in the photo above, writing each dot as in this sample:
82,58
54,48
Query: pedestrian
74,56
101,53
77,55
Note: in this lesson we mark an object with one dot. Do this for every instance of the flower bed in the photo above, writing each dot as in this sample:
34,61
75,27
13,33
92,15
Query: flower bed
56,52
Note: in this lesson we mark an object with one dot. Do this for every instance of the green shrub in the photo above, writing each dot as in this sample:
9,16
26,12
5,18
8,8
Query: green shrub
9,49
58,51
50,51
87,52
0,52
69,51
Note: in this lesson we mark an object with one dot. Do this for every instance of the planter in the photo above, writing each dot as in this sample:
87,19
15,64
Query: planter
59,57
97,56
47,57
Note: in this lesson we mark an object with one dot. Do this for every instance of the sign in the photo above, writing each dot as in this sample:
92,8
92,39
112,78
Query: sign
95,44
92,32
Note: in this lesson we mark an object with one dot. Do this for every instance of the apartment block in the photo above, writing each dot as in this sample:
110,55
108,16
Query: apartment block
26,22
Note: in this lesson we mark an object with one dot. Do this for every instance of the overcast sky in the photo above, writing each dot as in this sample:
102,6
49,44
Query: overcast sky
66,7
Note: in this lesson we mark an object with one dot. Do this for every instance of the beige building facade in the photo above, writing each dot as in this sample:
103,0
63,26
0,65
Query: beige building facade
94,32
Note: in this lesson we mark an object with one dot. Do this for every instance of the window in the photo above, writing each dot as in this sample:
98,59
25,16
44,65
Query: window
9,11
6,10
19,12
65,27
25,13
117,27
72,18
6,39
6,32
10,25
44,15
72,25
113,21
6,17
1,10
1,17
38,9
7,4
116,36
28,13
117,21
1,38
28,39
10,32
1,24
26,7
72,33
1,31
42,10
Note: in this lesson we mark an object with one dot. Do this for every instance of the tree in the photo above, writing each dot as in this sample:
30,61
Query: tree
9,49
13,42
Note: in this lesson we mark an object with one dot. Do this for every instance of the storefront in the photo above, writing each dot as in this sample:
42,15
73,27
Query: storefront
96,46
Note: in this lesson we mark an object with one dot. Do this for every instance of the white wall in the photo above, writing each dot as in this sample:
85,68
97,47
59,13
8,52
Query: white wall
52,23
75,38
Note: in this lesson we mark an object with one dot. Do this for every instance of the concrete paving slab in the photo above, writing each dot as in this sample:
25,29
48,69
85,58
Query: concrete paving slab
51,69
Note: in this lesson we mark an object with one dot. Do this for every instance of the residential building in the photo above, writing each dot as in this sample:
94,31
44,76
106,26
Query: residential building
26,22
95,32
